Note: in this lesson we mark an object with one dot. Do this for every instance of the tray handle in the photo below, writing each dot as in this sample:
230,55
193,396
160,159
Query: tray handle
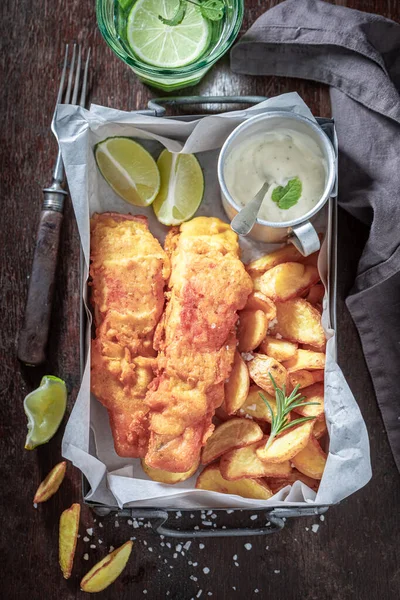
157,105
159,518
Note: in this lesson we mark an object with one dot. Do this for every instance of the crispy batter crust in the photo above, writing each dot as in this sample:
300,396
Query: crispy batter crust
196,339
128,272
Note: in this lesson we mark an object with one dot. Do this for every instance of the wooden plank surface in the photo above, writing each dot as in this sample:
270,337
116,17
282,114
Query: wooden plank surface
355,552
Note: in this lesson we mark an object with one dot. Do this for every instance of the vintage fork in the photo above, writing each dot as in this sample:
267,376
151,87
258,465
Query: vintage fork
34,334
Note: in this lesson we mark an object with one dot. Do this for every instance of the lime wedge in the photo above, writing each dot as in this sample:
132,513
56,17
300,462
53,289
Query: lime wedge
166,46
181,190
129,169
45,408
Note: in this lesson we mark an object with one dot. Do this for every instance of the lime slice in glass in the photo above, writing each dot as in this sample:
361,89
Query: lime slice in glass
129,169
181,190
45,408
166,46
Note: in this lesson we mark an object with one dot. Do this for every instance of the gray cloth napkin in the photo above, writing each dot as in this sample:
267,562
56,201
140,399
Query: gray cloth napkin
358,55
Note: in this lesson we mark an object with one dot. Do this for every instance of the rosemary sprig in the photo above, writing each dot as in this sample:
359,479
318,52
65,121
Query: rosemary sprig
284,404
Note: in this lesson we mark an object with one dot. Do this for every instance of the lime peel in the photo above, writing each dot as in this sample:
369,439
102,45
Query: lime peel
45,408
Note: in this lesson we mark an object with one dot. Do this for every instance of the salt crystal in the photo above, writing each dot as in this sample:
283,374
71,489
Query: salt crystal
144,591
199,593
247,356
235,557
86,557
116,524
214,516
278,336
206,570
130,522
168,545
307,529
144,542
272,323
234,588
236,564
277,571
178,514
196,527
228,512
178,548
252,407
213,325
101,541
207,523
195,564
175,555
209,512
191,515
254,517
111,548
315,527
193,578
100,524
34,505
89,531
86,539
201,546
150,549
92,546
322,518
256,591
187,545
248,546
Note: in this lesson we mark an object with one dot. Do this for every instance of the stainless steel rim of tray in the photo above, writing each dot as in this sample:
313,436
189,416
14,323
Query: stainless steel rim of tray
275,517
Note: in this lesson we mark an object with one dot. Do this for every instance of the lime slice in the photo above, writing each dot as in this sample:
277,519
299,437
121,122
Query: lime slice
166,46
129,169
45,408
181,190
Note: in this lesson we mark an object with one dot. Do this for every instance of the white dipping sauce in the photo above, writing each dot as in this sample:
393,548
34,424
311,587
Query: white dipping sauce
276,157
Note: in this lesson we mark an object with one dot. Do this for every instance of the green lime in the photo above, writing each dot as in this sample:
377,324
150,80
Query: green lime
181,190
166,46
45,408
129,169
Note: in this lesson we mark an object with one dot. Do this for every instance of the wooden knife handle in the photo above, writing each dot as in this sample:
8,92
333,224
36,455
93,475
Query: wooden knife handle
33,337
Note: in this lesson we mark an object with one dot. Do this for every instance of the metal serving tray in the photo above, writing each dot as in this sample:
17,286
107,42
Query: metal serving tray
275,517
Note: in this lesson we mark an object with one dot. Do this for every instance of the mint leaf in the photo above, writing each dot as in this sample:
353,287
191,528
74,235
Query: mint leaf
178,16
288,196
212,9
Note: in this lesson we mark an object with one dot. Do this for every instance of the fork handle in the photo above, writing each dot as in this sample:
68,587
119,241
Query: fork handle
33,337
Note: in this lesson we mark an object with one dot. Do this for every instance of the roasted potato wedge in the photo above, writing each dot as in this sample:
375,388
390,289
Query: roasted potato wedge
281,350
253,325
167,476
255,407
311,460
244,462
316,294
211,479
258,301
234,433
277,484
51,483
305,360
320,428
299,322
287,445
313,393
286,281
305,378
68,536
237,386
259,369
105,572
286,254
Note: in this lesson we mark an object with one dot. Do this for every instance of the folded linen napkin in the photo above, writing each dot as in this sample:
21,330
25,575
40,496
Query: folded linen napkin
358,55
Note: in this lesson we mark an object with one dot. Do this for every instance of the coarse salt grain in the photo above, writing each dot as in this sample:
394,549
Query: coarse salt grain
178,548
130,522
247,356
86,539
86,557
201,546
187,545
116,523
254,517
34,505
256,591
213,325
100,524
252,407
315,527
89,531
92,546
322,518
207,523
195,564
248,546
199,593
206,570
277,571
228,512
193,578
144,591
111,548
278,336
236,564
235,557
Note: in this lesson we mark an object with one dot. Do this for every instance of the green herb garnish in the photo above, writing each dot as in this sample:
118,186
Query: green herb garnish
284,404
288,196
210,9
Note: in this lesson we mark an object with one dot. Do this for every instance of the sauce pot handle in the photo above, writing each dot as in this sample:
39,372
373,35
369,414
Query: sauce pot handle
304,238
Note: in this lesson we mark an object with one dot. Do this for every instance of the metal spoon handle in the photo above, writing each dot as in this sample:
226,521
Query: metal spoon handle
245,220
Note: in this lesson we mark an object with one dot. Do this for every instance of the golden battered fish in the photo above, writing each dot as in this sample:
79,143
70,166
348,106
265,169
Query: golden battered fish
128,272
196,339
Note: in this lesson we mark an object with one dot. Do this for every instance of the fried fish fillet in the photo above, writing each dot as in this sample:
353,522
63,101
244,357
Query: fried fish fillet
128,271
196,339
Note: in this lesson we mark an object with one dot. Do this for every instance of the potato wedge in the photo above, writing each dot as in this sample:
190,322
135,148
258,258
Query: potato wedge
237,386
211,479
51,483
253,325
305,378
167,476
305,360
277,484
255,407
316,294
68,536
105,572
320,428
279,349
257,301
313,393
300,322
244,462
287,445
311,460
259,369
286,281
235,433
286,254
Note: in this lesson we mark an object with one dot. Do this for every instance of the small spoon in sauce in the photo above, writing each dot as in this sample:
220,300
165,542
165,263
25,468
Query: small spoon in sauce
245,220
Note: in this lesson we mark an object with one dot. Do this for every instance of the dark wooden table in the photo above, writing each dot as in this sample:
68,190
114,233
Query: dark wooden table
353,555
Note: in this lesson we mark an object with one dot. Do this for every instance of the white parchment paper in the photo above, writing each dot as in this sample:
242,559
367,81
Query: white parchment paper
88,441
